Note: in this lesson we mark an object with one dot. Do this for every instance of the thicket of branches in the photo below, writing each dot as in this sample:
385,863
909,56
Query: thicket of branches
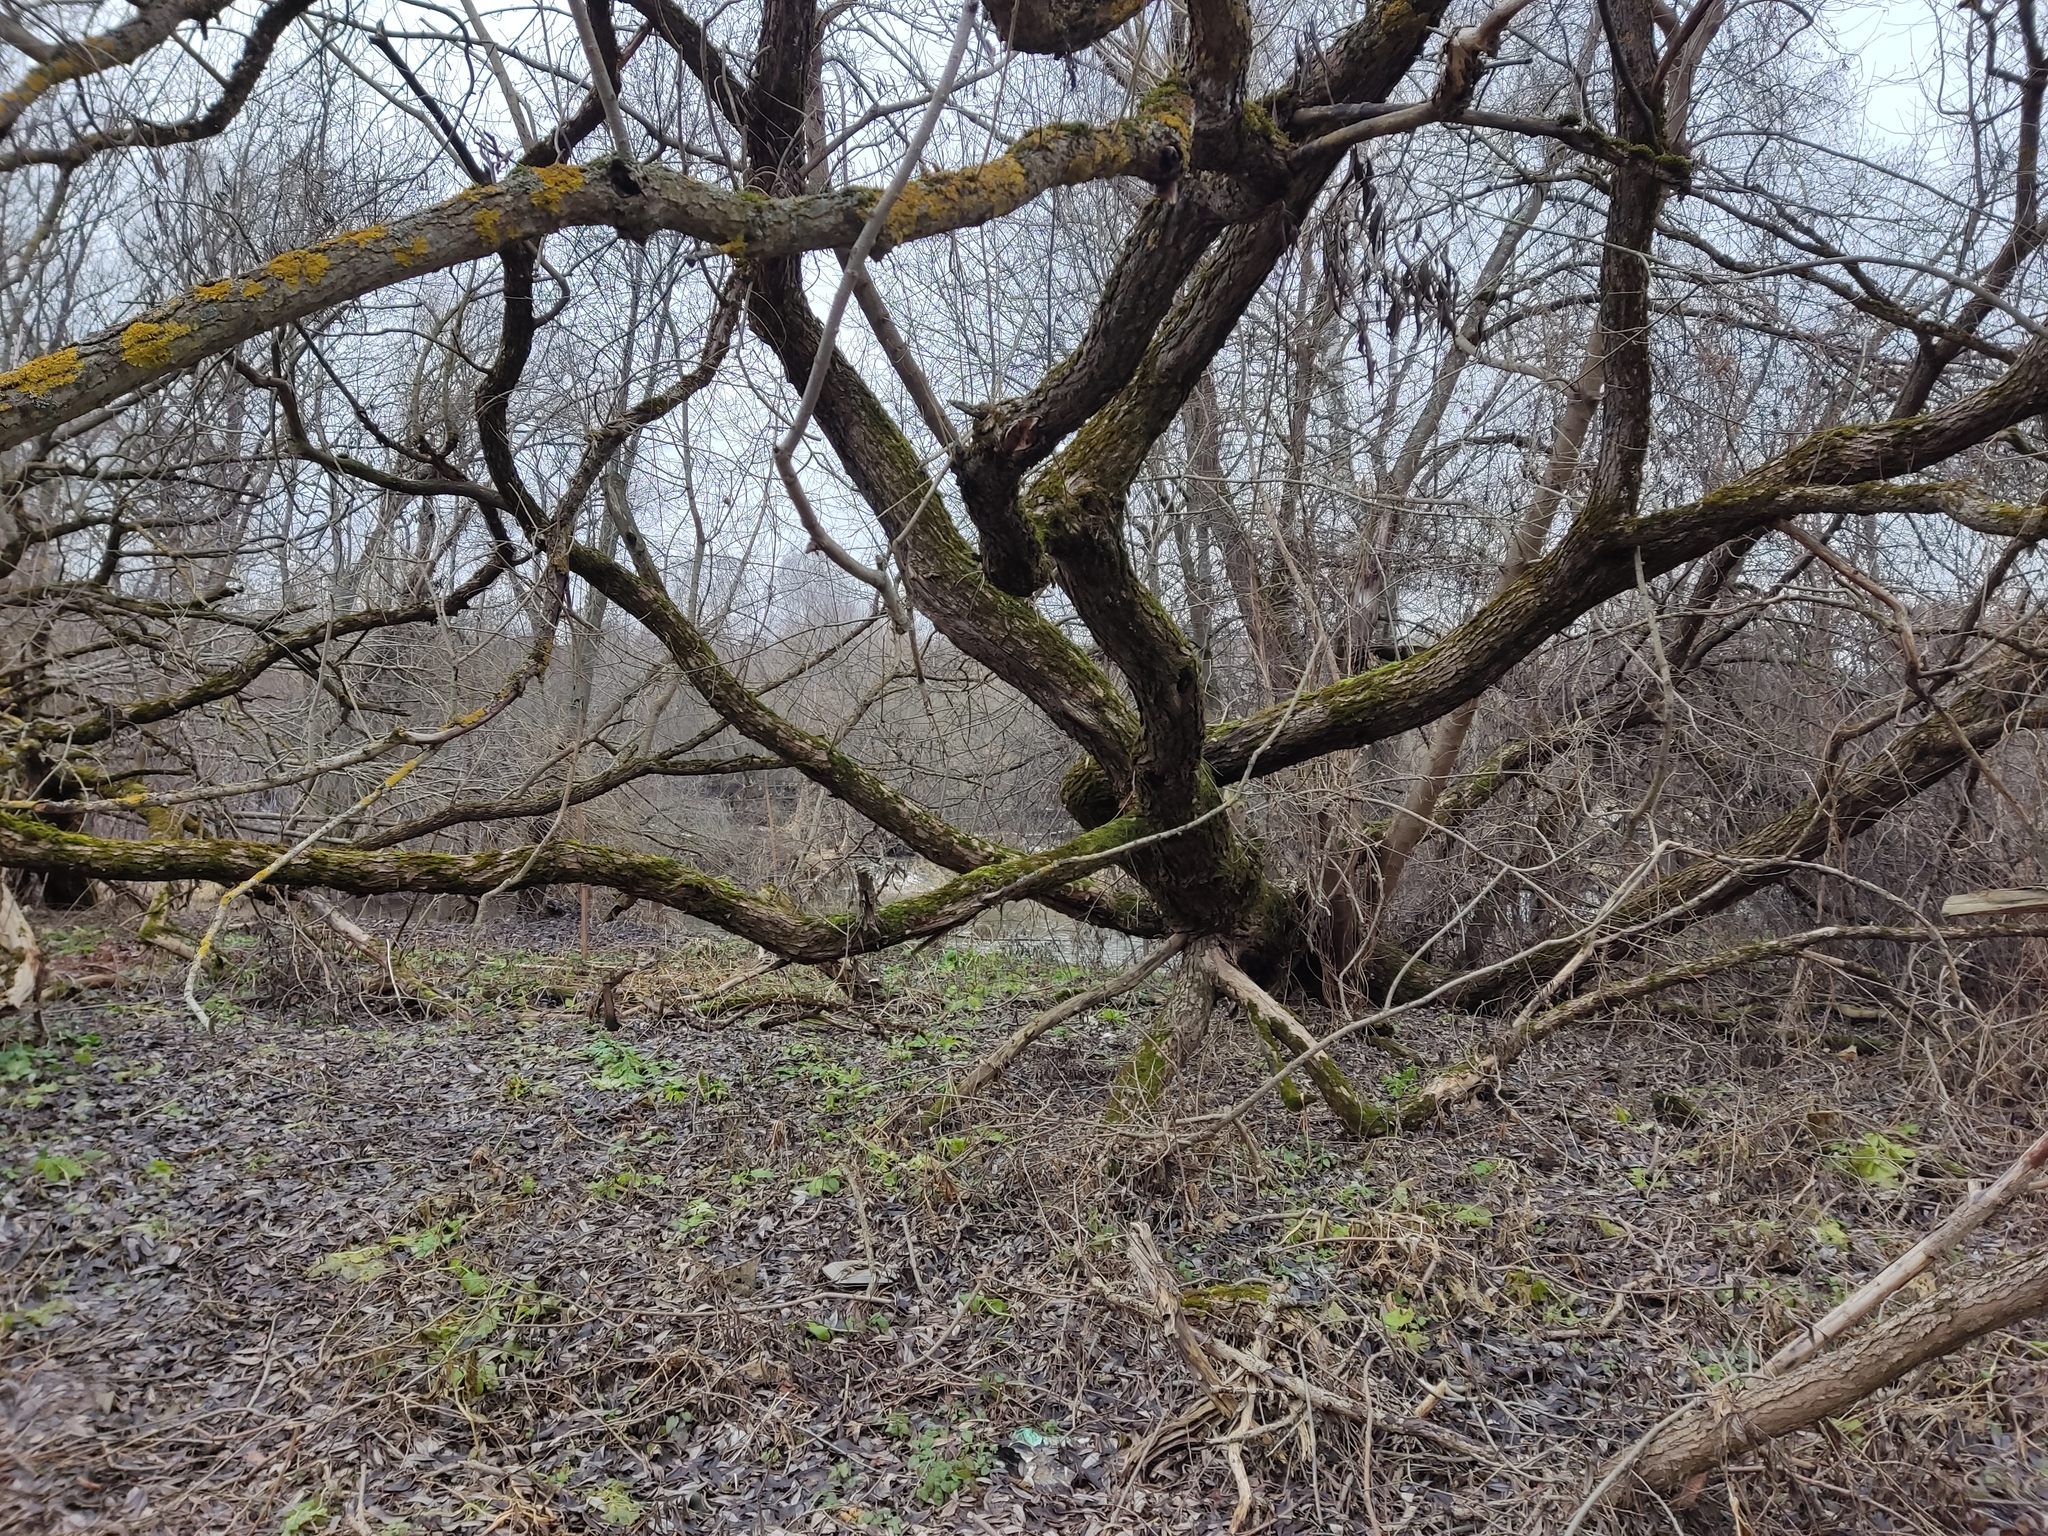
1399,500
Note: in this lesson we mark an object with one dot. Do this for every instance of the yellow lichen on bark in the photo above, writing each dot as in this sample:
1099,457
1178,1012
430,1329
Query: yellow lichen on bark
39,375
359,237
33,84
213,293
406,255
147,343
486,222
936,201
1170,106
298,269
555,182
1105,147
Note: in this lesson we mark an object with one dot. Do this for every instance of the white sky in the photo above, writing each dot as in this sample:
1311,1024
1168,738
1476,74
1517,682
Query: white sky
1896,45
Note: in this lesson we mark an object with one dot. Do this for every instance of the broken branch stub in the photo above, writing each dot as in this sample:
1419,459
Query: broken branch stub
1999,903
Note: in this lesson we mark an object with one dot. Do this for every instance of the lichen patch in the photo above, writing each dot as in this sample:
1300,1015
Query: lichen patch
556,181
39,375
148,343
298,269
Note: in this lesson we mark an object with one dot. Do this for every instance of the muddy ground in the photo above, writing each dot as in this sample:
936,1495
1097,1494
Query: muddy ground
344,1263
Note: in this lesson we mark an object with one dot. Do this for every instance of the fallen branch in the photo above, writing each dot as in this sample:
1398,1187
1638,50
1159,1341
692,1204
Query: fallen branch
400,979
710,994
1289,1039
25,990
1762,1407
157,930
1999,903
1323,1400
1453,1085
1203,1350
227,897
1967,1218
985,1071
1155,1278
1456,1084
347,928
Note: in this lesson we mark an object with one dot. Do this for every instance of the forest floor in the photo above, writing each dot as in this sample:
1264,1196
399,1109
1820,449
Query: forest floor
326,1268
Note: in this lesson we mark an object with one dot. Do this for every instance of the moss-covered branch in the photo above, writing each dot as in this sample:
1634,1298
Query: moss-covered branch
772,923
818,759
1840,471
1455,1084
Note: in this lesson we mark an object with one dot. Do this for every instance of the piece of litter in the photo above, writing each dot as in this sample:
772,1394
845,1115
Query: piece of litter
857,1274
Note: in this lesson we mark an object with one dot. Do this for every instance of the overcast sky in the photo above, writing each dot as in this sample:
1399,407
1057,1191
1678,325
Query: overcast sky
1896,45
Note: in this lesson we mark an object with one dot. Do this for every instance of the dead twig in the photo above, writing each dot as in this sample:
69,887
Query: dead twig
1203,1350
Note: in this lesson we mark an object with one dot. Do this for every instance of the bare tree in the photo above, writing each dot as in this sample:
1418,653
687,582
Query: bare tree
1259,418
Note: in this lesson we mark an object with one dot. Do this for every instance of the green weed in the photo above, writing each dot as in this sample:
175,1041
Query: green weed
33,1072
942,1461
1405,1320
471,1348
59,1167
1876,1157
903,1047
39,1316
622,1181
844,1085
311,1511
695,1223
614,1504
